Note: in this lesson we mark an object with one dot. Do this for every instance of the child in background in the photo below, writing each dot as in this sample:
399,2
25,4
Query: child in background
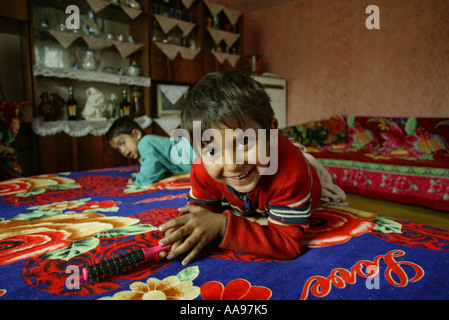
158,155
234,100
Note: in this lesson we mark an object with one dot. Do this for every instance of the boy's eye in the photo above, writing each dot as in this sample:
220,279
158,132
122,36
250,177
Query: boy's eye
209,151
243,141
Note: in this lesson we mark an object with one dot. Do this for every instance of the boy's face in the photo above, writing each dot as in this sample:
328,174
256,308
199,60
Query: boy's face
232,157
126,144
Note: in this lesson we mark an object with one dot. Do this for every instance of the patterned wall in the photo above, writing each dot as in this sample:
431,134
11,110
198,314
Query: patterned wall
335,65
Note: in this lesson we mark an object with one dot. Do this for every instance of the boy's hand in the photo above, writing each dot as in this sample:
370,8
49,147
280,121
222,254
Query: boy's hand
192,230
130,181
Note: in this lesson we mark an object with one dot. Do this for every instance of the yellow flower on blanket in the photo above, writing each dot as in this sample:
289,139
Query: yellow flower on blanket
179,287
43,181
78,226
60,206
38,184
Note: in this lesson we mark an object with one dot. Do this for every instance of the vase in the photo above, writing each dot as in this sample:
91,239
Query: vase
89,58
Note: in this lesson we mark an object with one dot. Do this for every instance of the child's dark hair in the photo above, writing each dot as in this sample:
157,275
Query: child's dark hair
123,125
221,95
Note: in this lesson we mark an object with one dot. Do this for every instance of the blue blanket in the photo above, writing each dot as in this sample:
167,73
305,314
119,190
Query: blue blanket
51,226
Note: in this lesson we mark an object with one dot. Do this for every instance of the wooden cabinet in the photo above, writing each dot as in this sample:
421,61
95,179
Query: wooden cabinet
185,70
63,152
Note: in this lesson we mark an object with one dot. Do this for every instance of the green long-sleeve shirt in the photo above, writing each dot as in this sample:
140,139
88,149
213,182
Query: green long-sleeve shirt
160,155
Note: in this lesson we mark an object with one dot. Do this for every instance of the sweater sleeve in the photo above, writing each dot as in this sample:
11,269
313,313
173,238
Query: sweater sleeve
275,241
151,170
153,163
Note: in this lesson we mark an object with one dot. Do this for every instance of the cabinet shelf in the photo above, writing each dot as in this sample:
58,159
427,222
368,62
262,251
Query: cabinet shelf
95,76
79,128
65,39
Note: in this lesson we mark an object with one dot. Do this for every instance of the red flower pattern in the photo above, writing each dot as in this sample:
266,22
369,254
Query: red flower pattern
97,205
396,139
7,189
28,246
238,289
329,227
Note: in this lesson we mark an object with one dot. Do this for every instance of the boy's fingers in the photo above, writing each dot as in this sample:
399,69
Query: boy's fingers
174,245
190,208
193,253
175,235
184,209
173,223
194,243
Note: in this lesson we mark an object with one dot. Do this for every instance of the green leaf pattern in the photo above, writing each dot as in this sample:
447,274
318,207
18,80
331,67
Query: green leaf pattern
127,231
188,274
385,225
72,250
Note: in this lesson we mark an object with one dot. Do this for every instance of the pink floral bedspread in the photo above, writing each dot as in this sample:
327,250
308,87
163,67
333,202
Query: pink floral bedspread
399,159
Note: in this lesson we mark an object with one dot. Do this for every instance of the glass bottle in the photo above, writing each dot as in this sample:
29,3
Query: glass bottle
125,106
137,101
191,40
157,32
45,108
175,36
72,106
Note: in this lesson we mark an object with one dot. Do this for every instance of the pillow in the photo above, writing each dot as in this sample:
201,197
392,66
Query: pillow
318,133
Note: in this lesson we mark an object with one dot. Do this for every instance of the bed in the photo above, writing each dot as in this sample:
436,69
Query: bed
52,225
400,159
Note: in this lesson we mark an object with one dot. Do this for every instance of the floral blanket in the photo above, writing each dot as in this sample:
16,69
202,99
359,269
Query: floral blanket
397,159
53,225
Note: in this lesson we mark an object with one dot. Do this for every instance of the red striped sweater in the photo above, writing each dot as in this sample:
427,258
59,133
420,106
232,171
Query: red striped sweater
287,197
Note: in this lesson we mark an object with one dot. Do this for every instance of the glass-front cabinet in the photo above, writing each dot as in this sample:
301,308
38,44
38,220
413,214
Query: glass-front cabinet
90,55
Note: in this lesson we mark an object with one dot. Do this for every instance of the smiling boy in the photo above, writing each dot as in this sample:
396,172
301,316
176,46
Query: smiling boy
230,102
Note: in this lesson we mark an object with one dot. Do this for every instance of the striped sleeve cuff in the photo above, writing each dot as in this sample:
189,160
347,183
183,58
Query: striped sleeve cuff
288,215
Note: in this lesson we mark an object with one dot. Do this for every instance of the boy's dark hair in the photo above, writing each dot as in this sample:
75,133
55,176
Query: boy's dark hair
123,125
220,95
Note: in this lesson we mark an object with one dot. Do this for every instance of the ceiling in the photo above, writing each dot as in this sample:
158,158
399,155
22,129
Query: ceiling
259,4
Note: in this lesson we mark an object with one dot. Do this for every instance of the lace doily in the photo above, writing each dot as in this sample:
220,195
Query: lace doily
215,8
66,39
96,76
222,57
167,24
173,92
168,124
98,5
79,128
219,35
172,50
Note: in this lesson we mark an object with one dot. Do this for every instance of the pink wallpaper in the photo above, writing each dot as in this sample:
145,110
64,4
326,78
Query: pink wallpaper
334,65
